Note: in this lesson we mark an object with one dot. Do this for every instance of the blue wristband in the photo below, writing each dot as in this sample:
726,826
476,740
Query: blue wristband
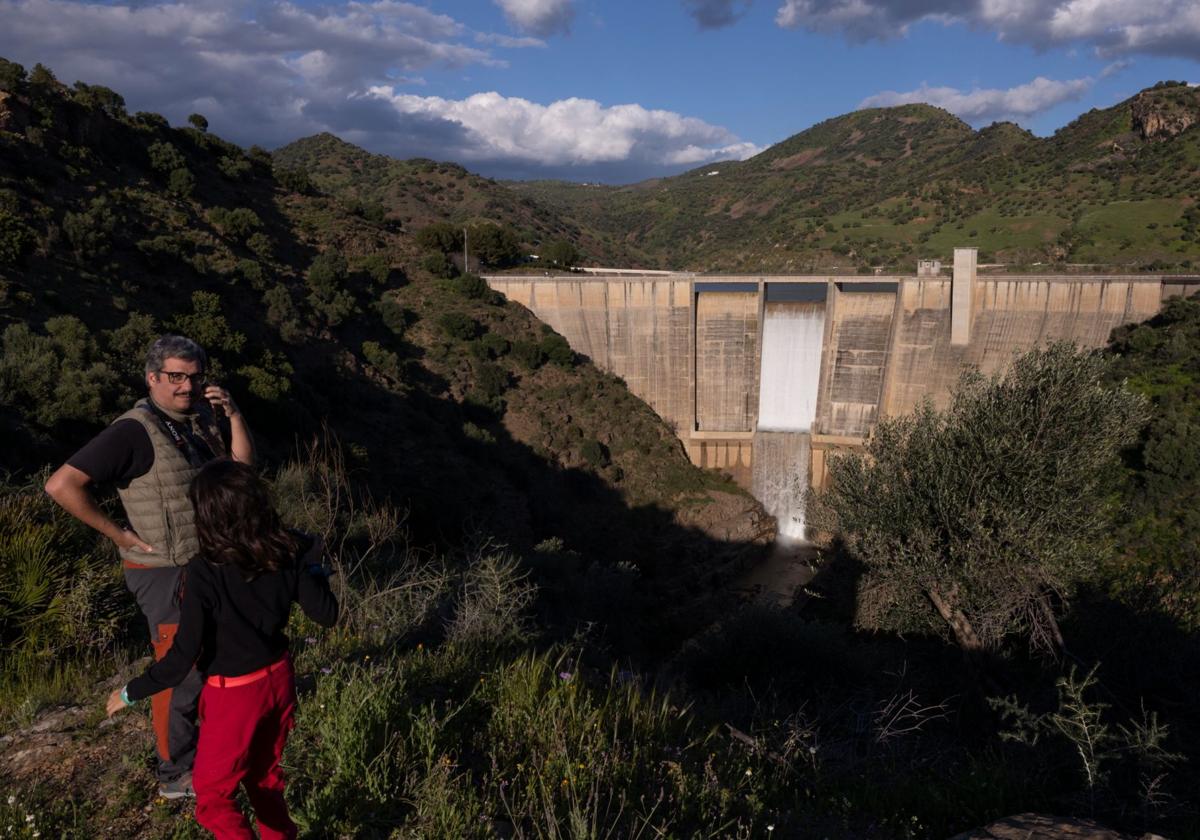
125,696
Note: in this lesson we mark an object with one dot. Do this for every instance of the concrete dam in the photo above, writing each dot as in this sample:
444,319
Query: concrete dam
762,376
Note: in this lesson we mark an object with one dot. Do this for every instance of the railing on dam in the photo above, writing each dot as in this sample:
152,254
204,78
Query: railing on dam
692,346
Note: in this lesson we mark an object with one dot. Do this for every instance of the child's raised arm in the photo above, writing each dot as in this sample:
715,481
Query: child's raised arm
312,587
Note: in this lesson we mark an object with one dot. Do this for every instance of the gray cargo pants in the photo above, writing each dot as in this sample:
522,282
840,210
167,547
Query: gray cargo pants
172,712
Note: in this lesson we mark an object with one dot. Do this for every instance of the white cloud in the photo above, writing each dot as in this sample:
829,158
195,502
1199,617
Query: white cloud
986,105
271,71
569,132
1112,27
539,17
508,41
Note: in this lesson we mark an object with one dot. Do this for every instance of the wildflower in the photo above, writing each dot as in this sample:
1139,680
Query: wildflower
310,640
327,670
420,646
770,827
11,799
29,818
749,772
565,676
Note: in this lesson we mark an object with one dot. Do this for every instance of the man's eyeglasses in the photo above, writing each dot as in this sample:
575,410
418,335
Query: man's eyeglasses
176,377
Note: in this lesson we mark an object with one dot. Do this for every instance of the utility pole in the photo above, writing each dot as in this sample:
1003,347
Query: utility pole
466,259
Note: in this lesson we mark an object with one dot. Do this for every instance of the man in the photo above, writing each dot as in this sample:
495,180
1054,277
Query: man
151,453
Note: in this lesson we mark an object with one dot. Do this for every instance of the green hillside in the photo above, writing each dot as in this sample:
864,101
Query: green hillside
886,187
417,193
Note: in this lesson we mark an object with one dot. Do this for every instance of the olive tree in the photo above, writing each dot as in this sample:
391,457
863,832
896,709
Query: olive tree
979,521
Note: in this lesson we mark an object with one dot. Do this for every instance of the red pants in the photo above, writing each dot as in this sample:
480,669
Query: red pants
242,733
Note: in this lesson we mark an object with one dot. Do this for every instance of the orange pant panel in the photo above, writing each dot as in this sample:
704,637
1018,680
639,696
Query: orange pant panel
160,704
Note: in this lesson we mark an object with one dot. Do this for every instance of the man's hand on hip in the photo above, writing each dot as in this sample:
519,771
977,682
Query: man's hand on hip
130,540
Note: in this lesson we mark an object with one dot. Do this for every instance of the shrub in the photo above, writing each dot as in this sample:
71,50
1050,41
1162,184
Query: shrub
165,158
494,345
560,253
151,120
325,279
976,522
491,381
12,76
439,265
457,325
100,98
127,346
206,325
472,286
595,453
378,267
293,180
495,245
282,313
382,359
90,232
57,376
15,238
492,605
270,378
198,122
393,315
180,183
238,223
261,245
528,354
442,237
556,349
234,168
252,273
43,77
159,249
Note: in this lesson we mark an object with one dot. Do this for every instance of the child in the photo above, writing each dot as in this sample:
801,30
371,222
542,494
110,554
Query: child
237,594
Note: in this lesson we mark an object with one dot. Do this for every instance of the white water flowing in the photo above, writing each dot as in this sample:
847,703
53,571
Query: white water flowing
780,480
793,337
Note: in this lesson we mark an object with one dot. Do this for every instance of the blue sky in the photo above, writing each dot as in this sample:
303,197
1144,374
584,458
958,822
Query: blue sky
590,90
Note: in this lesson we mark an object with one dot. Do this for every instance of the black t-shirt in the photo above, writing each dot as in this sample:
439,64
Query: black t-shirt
123,452
117,455
231,626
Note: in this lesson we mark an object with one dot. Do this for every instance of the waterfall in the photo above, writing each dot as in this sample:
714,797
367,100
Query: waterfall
791,366
792,340
780,480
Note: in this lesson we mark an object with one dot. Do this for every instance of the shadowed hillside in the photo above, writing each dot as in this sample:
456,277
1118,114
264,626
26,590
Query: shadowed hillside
468,412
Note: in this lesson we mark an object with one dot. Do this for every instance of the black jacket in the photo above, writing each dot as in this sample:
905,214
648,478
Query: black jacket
230,626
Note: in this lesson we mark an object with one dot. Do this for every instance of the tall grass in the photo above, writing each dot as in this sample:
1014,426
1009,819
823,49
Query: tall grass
63,607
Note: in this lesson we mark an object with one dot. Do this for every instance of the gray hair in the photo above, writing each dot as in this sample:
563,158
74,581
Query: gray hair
174,347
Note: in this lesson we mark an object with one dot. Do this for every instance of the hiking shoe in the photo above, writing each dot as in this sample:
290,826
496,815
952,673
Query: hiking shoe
177,788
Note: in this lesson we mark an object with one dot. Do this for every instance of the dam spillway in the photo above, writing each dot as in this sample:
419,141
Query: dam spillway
711,353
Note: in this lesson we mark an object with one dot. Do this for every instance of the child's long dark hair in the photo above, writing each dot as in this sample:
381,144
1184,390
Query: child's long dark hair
236,522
